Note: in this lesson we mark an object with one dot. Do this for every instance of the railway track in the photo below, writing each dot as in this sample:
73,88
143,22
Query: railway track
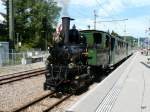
21,75
37,102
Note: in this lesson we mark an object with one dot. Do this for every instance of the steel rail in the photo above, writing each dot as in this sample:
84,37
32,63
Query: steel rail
33,102
20,73
57,103
21,77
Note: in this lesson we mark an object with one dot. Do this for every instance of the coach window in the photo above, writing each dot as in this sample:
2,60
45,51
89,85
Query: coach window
107,41
127,46
112,43
123,44
97,38
119,44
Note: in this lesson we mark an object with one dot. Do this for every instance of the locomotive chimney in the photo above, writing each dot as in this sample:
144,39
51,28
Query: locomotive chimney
66,27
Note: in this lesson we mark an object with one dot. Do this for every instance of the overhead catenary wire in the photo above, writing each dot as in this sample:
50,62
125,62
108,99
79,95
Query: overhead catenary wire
116,20
95,15
113,20
100,5
112,10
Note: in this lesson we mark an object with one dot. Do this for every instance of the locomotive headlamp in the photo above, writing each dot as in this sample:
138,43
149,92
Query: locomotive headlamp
77,77
71,65
71,59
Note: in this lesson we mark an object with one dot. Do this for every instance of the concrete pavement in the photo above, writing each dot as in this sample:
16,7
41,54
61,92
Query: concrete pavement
135,94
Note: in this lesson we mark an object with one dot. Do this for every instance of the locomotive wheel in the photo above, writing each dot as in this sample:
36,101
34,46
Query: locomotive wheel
59,94
74,87
78,87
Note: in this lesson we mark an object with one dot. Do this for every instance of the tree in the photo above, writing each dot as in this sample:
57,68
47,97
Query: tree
3,32
29,17
114,33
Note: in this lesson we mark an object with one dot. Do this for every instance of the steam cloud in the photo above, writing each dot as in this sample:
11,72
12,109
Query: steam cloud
65,5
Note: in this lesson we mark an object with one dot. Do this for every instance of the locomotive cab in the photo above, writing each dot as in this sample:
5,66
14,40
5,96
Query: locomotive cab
75,37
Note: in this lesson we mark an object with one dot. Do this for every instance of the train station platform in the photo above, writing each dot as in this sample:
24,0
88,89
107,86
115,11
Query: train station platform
126,89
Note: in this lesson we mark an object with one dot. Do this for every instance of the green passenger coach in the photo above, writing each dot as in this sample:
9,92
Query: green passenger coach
104,50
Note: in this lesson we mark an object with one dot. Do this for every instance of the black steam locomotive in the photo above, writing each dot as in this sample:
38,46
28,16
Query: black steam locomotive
77,60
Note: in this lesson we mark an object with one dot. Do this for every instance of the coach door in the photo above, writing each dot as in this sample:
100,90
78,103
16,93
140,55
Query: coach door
97,45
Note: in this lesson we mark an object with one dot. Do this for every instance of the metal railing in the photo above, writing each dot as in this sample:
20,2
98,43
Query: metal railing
27,57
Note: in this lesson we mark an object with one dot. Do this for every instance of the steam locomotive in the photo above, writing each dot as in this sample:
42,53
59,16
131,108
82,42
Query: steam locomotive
81,56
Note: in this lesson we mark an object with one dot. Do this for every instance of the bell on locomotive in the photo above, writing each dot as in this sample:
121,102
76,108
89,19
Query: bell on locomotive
67,62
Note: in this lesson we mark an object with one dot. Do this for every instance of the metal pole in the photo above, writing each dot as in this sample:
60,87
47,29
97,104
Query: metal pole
94,20
17,34
11,21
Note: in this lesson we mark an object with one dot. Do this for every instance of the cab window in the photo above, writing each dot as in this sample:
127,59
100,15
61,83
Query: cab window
97,38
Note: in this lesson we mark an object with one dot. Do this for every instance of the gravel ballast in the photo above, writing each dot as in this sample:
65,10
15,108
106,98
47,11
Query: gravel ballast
15,94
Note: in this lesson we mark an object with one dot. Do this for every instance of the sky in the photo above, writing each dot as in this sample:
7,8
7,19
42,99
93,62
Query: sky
2,9
134,15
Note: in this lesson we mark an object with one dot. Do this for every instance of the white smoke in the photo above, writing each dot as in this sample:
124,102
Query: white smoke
64,4
1,18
